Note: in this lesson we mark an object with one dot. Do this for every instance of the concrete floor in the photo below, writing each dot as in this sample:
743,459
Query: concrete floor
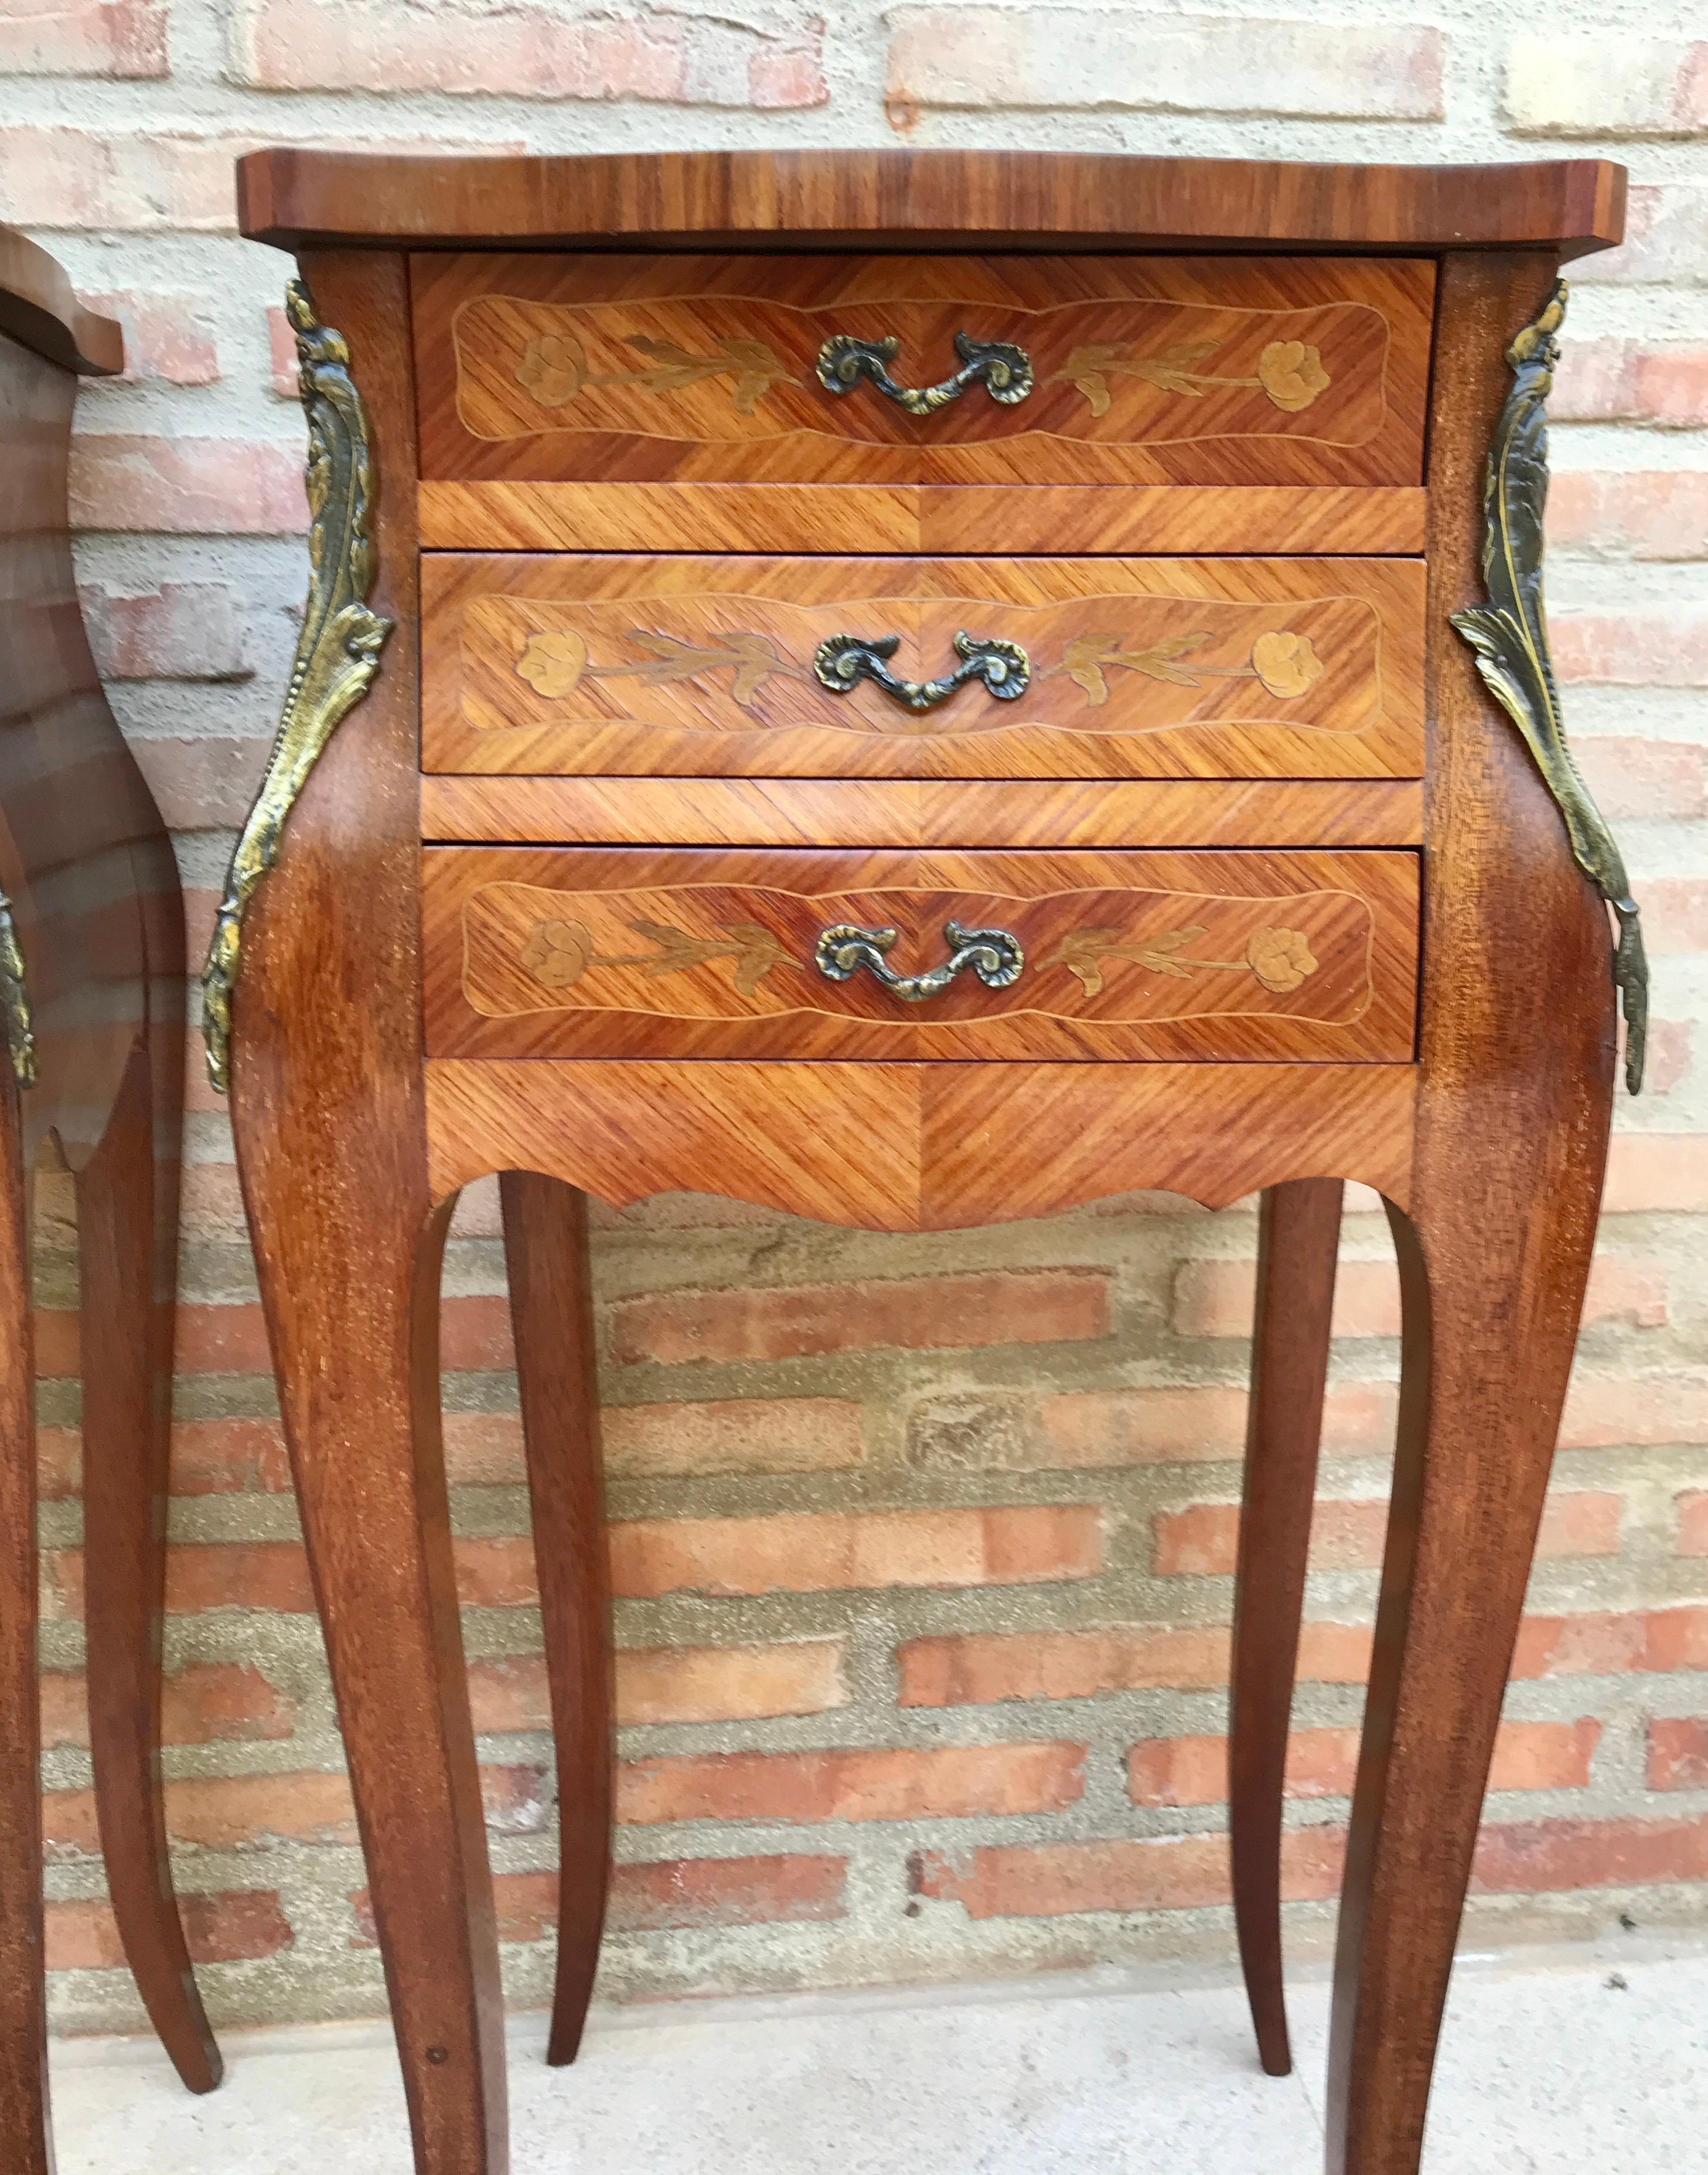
1595,2067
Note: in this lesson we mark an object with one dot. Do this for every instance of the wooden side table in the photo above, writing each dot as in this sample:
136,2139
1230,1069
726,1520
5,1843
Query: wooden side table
92,997
919,689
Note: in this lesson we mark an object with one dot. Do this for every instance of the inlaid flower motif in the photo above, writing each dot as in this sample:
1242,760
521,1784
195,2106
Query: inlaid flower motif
1291,374
1281,959
553,664
1285,663
554,370
558,952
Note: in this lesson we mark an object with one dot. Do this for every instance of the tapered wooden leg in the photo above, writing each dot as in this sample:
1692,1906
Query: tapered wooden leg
351,1282
127,1227
24,2139
552,1306
1298,1236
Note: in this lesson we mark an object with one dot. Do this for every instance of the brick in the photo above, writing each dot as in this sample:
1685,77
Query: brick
1605,84
978,1669
955,1782
729,1683
658,1897
1181,1426
1611,1643
1651,1172
734,1435
1322,1763
1546,1856
122,40
238,1926
128,179
1160,1873
972,58
1670,386
1632,650
208,1703
284,378
1633,513
1217,1299
1677,1753
1666,239
528,51
1635,1411
1693,1521
227,1811
816,1554
1648,779
228,1456
674,1684
1675,914
1045,1306
191,486
169,339
253,1574
1669,1055
181,631
1202,1540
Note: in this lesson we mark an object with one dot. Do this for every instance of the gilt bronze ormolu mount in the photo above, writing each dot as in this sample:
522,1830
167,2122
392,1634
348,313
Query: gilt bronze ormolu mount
1510,635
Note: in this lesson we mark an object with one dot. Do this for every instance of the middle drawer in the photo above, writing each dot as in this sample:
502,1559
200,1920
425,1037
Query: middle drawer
610,664
642,952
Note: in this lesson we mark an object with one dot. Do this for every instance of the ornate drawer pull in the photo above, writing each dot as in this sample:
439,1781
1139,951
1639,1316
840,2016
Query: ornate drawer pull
845,659
1004,372
995,957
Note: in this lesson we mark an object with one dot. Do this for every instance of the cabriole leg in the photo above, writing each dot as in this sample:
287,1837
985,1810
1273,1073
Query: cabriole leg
551,1302
128,1228
1299,1237
24,2137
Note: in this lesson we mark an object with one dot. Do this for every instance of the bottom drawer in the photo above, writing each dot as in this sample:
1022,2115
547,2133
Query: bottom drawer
600,952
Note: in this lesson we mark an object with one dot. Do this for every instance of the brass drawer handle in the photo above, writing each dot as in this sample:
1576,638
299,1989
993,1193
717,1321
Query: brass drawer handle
1004,372
845,659
995,957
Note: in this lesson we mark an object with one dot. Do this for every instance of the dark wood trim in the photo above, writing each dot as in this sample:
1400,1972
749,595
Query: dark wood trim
39,309
902,199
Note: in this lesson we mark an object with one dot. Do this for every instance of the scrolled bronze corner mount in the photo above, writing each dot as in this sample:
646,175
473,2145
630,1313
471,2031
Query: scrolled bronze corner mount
1509,637
14,1001
337,653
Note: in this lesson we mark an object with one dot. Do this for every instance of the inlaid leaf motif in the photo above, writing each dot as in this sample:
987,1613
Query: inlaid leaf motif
558,953
1281,959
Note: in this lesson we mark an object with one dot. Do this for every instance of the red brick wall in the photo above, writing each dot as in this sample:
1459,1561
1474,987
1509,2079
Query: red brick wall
922,1547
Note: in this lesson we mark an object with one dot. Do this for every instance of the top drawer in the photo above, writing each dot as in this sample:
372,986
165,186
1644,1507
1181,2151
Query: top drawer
1082,369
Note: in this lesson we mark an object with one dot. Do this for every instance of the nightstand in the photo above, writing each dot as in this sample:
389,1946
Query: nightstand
916,689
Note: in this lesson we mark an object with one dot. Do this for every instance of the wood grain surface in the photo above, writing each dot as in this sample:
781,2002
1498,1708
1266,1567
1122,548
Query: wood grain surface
1207,668
1517,1045
775,811
40,309
914,1147
625,952
1298,1246
93,885
327,1106
653,368
918,517
934,199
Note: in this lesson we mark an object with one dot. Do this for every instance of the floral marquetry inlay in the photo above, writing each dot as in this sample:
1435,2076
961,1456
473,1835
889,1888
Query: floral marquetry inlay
1290,372
554,664
739,952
